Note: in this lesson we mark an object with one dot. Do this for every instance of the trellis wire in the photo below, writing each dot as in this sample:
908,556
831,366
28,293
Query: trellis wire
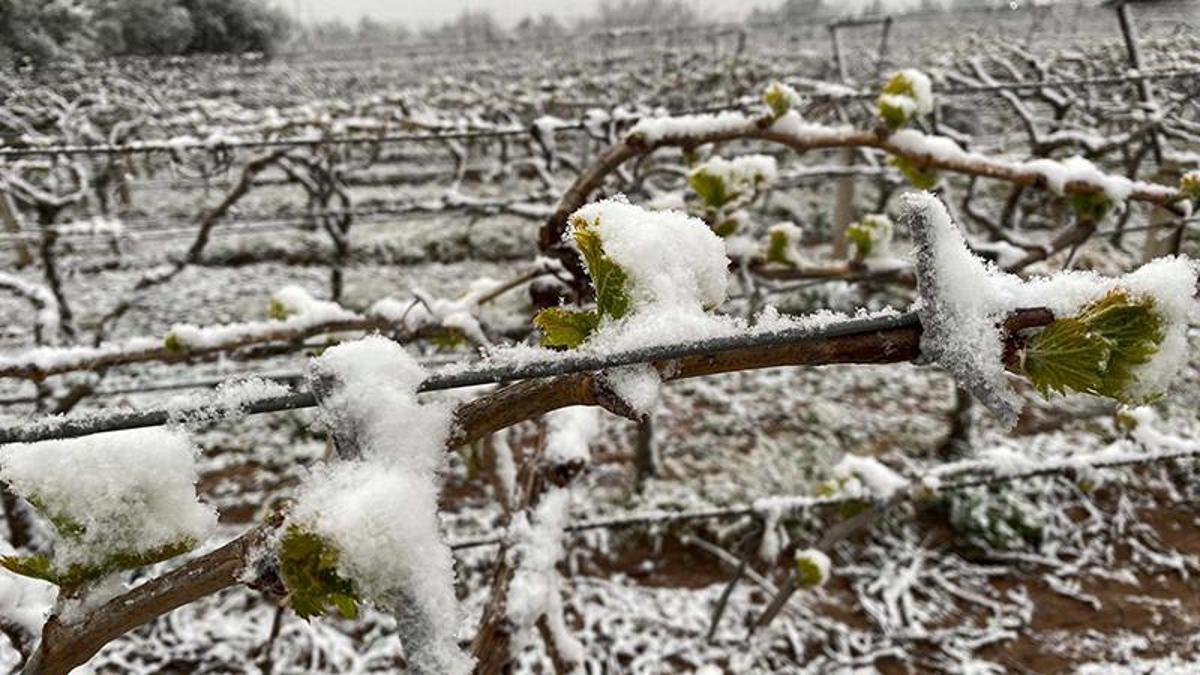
656,518
458,378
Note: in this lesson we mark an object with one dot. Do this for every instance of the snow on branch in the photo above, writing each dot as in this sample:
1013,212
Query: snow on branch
345,539
46,318
1124,338
912,150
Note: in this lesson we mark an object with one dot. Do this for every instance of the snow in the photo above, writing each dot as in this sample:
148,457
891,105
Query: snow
380,509
129,491
1056,174
24,602
671,258
872,475
461,314
659,129
302,310
381,518
570,433
227,402
51,358
535,590
1076,169
922,89
963,300
792,124
640,387
742,175
506,466
43,300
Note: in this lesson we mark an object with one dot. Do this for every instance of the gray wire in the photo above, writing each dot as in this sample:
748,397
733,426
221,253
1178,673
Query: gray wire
73,427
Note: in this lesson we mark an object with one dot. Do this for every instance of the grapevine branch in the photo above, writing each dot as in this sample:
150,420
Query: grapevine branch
888,339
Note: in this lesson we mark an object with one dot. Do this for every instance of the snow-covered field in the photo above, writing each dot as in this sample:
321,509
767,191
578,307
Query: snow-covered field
1005,533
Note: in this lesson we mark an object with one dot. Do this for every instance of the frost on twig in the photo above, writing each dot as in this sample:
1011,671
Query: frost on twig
366,527
1124,338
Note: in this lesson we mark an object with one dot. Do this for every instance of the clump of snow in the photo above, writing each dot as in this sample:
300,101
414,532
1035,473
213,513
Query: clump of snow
379,508
382,520
122,492
535,590
24,601
867,474
460,314
671,258
964,301
506,466
640,387
301,309
922,89
906,94
296,300
1076,169
374,394
570,433
741,175
658,129
793,124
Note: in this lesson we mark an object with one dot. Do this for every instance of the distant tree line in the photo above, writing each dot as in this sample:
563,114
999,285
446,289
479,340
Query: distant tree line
36,31
482,27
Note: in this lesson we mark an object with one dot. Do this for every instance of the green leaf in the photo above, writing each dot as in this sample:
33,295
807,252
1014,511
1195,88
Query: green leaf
277,310
922,178
860,236
778,100
41,567
346,605
35,566
808,573
564,327
65,525
899,85
725,228
711,188
450,340
1066,356
1098,351
173,344
1134,332
1189,185
1091,206
608,279
308,564
893,116
777,249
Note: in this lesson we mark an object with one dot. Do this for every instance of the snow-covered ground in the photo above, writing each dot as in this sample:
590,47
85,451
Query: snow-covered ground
1086,569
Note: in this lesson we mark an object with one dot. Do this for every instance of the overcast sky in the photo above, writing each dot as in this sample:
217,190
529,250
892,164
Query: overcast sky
425,12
